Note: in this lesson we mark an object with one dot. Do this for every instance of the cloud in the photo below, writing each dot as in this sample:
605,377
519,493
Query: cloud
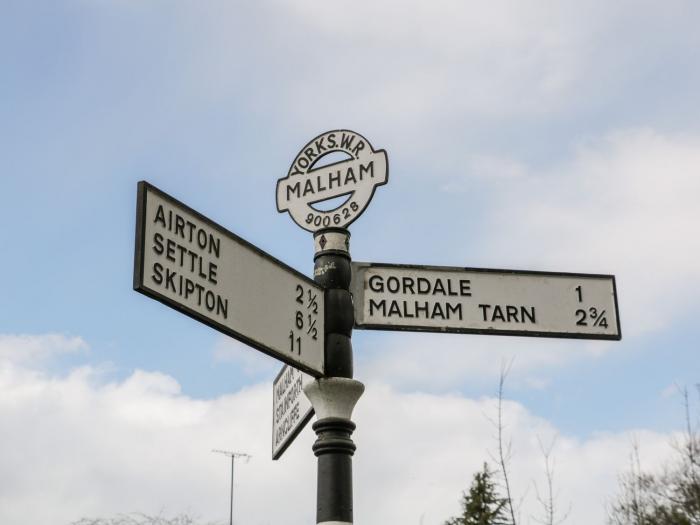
623,204
28,348
252,363
443,362
418,72
86,447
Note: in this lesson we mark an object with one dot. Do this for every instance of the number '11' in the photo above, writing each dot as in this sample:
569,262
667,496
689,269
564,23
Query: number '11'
292,340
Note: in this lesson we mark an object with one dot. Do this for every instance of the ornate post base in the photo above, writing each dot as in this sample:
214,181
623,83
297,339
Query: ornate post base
334,399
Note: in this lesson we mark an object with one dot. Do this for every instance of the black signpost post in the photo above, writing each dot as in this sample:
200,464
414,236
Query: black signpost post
335,395
190,263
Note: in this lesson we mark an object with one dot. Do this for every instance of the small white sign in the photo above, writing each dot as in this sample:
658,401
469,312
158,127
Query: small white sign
189,263
507,302
291,409
307,184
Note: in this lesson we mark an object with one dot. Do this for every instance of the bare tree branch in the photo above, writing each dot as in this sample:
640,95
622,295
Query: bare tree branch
548,501
504,452
139,518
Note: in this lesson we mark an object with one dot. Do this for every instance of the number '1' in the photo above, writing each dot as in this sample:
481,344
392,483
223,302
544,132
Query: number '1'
292,341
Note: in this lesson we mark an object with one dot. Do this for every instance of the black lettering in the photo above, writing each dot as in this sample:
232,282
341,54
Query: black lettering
190,228
179,226
396,285
423,285
408,284
465,288
193,257
222,306
439,287
293,189
182,251
294,416
350,176
170,279
346,141
449,287
157,273
199,269
497,314
405,310
333,178
319,145
529,313
437,311
360,145
484,310
214,245
212,273
189,288
394,309
512,313
331,140
422,309
454,309
209,300
158,243
170,250
376,284
308,187
201,239
366,169
319,186
310,153
200,291
377,305
160,216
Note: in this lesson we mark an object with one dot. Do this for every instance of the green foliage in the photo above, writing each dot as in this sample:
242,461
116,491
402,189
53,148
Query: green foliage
482,505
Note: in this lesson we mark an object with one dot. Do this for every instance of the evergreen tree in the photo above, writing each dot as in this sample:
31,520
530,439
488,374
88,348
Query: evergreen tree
482,505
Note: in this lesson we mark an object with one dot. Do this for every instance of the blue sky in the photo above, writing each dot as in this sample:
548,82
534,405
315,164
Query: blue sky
536,136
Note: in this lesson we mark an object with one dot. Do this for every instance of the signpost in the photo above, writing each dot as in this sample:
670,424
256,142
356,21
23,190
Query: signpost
496,302
197,267
357,177
291,409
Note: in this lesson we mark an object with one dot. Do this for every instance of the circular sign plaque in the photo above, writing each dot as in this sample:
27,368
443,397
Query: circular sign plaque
308,183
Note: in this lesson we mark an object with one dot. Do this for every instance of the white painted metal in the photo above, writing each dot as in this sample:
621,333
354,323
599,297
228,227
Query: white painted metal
291,409
196,266
334,396
484,301
338,241
357,177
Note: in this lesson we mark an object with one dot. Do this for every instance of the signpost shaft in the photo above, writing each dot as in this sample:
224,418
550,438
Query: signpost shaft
332,270
334,396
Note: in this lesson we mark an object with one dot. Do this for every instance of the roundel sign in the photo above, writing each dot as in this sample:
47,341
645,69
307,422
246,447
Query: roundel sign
310,181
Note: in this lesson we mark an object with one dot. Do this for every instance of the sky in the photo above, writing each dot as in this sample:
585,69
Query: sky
553,136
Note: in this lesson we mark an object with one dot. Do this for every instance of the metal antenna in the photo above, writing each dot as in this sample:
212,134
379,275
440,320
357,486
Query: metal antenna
233,456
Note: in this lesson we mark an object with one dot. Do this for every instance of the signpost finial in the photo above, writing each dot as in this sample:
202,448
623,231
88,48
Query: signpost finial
308,182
